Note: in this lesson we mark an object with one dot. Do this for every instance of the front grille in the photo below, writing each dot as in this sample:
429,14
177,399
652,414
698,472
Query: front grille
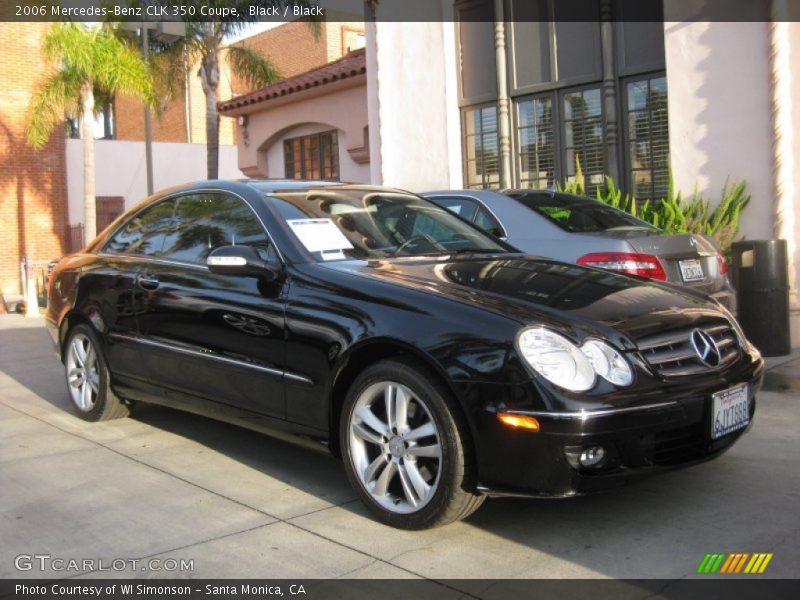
672,354
677,446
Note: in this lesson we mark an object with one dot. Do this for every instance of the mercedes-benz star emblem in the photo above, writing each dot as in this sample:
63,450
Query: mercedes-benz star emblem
706,348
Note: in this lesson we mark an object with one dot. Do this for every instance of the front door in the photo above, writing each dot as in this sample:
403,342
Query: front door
113,283
217,337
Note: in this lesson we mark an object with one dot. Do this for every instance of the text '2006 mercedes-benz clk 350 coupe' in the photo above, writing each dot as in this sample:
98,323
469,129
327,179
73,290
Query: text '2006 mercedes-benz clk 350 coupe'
441,364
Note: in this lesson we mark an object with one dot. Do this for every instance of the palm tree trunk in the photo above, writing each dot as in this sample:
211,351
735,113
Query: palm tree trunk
87,135
209,77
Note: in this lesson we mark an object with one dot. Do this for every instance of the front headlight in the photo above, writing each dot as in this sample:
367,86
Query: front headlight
556,359
566,365
608,363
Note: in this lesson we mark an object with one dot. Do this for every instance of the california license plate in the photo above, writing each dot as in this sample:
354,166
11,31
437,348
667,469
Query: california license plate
730,411
691,270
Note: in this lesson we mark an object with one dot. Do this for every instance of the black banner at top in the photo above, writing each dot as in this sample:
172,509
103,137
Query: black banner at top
399,10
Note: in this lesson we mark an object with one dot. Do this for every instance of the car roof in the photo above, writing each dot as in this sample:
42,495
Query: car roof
515,191
272,186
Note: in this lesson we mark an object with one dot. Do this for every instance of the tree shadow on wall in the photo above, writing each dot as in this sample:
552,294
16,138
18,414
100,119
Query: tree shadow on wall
33,196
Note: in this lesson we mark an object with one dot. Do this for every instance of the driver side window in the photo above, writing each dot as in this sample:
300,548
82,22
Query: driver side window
206,221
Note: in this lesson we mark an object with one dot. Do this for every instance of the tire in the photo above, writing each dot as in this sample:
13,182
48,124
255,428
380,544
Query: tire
414,470
92,395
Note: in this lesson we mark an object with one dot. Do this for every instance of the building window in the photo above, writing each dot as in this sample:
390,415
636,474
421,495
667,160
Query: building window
482,148
536,143
312,156
647,137
582,123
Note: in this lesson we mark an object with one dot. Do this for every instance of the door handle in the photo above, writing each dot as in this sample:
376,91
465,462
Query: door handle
147,282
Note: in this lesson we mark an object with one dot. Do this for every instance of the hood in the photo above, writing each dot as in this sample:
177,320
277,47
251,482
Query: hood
532,290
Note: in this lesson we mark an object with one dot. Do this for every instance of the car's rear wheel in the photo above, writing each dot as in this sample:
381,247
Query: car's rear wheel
406,447
88,378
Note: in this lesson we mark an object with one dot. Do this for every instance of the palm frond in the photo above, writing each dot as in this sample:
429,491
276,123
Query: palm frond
56,97
85,56
253,68
123,70
71,44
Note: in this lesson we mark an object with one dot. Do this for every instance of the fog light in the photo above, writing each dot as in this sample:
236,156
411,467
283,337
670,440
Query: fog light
592,457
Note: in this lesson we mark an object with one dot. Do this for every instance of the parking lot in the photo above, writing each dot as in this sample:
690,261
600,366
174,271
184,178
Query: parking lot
169,485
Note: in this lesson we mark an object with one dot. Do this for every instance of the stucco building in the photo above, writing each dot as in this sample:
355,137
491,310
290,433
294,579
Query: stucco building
311,126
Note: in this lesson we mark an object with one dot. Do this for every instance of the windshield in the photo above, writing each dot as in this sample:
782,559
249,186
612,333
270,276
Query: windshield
345,223
581,215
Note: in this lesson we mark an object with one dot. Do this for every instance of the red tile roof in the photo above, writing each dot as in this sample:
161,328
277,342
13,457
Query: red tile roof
351,65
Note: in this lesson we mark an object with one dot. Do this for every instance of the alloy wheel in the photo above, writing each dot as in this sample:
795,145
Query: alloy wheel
83,375
395,447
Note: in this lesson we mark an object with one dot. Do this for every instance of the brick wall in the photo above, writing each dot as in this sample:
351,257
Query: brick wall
170,126
291,47
33,195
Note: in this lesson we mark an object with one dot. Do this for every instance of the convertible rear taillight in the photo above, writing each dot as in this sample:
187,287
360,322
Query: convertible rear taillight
723,264
644,265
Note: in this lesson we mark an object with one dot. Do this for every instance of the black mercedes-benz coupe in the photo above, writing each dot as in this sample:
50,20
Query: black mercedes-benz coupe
442,365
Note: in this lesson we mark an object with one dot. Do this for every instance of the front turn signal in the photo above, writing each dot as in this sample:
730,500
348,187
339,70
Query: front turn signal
518,421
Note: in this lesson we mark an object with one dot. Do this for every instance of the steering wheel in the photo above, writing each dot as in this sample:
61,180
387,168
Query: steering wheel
423,237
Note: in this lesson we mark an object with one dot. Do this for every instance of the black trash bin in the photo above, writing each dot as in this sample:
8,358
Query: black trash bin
761,278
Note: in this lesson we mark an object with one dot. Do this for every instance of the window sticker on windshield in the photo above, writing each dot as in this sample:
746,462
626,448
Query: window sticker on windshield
319,235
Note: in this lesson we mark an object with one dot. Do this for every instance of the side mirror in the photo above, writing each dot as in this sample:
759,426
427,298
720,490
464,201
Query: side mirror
240,260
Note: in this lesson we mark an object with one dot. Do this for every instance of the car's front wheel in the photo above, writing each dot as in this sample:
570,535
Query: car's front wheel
406,447
88,377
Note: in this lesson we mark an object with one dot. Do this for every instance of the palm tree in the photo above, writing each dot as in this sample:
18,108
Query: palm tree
92,62
204,44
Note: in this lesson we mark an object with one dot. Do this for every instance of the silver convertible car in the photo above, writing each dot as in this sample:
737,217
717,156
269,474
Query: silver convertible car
583,230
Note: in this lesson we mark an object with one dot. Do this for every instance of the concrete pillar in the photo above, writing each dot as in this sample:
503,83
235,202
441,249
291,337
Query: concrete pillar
610,93
503,112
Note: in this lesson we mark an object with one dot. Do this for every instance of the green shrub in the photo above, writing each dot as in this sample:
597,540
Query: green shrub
676,213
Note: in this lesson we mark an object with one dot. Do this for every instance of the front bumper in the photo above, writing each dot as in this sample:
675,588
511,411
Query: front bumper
656,435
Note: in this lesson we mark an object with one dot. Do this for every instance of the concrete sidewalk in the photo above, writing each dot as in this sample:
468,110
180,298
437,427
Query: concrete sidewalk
783,373
164,484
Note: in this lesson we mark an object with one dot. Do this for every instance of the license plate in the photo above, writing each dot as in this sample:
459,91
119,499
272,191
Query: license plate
730,411
691,270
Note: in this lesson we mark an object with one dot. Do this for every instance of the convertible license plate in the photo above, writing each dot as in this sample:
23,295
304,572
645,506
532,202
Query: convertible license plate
691,270
730,411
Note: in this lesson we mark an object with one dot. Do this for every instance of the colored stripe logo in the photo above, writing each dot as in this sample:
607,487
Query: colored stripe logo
734,563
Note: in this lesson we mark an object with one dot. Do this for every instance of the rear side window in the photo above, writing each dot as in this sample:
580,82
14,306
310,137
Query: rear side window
463,207
144,234
581,215
486,221
203,222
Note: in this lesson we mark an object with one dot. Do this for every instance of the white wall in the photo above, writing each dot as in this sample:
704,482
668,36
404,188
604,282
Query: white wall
719,113
720,119
412,100
120,169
